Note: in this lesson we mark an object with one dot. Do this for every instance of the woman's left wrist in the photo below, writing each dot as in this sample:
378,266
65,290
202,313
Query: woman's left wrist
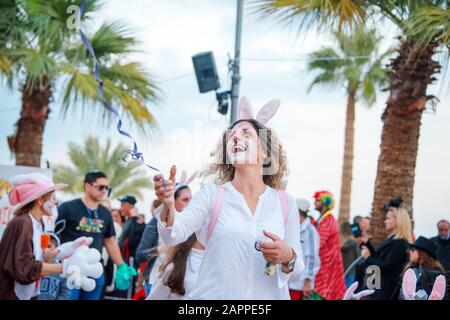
288,266
291,256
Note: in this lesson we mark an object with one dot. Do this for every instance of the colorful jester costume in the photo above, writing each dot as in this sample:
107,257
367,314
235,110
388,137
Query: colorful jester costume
330,283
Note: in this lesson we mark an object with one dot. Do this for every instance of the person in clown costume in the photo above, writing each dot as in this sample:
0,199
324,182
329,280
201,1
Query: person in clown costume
330,283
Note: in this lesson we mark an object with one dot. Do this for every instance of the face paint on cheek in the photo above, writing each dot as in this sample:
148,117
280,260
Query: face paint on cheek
49,205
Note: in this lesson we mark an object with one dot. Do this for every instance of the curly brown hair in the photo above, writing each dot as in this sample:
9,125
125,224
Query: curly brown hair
271,146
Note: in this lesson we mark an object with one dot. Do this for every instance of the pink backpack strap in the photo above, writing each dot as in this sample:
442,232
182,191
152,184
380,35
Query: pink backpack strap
284,204
216,211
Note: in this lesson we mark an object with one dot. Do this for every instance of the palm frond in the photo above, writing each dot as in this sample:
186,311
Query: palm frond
6,68
132,103
355,64
111,39
430,24
322,14
36,63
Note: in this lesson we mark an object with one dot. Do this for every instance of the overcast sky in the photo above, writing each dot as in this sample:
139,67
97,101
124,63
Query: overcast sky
310,126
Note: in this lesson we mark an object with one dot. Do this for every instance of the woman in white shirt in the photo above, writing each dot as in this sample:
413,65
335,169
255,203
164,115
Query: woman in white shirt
249,229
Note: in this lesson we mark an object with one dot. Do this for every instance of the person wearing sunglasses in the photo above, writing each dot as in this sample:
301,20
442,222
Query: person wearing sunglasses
86,216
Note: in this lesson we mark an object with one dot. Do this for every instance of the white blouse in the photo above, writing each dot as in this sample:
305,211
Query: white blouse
232,268
161,292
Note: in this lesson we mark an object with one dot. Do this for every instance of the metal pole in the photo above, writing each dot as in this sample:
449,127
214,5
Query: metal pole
236,77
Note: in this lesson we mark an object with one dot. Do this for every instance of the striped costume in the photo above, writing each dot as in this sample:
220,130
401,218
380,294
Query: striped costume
330,283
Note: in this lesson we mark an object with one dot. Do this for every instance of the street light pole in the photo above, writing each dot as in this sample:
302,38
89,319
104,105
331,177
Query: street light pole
236,76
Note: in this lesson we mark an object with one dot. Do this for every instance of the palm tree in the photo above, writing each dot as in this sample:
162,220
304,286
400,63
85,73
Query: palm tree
39,52
357,65
424,26
124,178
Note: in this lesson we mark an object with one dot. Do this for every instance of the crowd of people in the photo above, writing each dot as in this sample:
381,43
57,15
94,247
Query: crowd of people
241,237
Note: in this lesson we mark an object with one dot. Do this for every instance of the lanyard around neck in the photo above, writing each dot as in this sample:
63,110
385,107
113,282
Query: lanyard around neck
326,214
90,212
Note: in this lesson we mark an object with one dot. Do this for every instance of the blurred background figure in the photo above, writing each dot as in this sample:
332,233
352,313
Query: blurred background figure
131,235
110,268
392,254
127,206
149,241
350,251
442,242
424,263
301,286
330,282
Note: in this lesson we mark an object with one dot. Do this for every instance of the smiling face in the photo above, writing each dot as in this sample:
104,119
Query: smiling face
243,146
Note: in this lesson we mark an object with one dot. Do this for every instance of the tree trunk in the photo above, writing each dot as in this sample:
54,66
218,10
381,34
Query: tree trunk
346,183
30,127
411,73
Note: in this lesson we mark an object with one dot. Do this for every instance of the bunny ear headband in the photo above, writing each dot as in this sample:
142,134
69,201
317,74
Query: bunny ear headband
184,181
245,110
350,295
409,288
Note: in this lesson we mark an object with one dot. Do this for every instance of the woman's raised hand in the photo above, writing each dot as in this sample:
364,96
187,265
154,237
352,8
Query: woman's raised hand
165,189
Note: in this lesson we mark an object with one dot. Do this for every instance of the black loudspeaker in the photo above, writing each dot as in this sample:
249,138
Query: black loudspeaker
206,72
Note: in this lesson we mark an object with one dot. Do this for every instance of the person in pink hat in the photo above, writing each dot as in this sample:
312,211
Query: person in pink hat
23,255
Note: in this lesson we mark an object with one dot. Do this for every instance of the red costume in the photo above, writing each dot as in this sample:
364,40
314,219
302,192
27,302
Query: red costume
329,282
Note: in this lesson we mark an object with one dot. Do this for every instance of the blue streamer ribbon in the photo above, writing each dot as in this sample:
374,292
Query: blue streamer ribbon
135,154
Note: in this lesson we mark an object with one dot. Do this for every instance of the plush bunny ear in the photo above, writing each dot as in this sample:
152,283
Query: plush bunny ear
192,177
349,293
183,177
245,109
363,294
285,183
268,111
409,284
438,291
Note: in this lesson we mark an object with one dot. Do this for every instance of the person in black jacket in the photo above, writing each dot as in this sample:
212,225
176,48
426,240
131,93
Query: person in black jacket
392,254
442,242
424,263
